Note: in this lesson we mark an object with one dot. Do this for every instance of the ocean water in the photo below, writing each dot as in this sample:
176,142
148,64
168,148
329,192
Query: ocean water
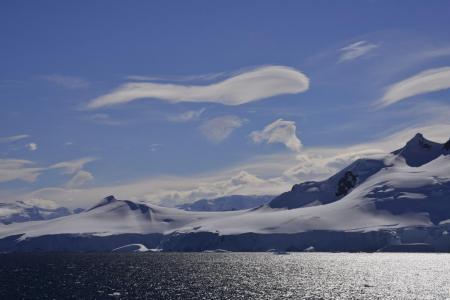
225,276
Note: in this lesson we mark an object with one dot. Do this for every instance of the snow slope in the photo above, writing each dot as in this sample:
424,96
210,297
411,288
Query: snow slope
227,203
409,188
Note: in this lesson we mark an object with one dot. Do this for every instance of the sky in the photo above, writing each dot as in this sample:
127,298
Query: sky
174,101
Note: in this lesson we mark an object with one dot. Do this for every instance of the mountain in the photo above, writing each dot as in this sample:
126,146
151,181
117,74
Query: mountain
227,203
392,202
24,212
417,152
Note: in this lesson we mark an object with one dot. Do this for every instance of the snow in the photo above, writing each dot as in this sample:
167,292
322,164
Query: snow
131,248
228,203
391,193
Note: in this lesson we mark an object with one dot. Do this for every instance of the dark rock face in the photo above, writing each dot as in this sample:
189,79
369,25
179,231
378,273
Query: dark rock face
423,143
419,151
346,183
447,145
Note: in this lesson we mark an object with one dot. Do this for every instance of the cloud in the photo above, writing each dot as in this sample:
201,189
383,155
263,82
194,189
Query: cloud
203,77
72,166
190,115
18,169
166,190
70,82
431,80
32,146
240,183
319,164
264,174
218,129
155,146
10,139
356,50
280,131
79,179
42,203
244,87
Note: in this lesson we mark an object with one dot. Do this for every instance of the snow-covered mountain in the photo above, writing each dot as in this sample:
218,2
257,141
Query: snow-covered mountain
227,203
19,211
396,199
416,153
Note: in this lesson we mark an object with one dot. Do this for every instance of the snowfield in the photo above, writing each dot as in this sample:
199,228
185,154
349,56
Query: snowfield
400,198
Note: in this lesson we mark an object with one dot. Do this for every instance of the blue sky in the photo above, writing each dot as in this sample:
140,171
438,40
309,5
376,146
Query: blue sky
171,101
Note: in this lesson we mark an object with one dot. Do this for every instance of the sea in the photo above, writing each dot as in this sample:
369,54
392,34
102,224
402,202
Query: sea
224,276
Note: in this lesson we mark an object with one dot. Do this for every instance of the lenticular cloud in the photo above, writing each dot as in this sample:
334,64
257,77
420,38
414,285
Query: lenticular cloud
244,87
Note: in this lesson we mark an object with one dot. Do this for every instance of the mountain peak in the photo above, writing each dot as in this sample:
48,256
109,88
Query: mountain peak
110,198
107,200
420,140
419,151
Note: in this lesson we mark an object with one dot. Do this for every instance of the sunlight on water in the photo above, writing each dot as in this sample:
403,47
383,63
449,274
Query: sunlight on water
226,276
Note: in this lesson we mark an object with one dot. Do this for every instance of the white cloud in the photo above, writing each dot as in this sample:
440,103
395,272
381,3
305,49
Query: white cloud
356,50
317,164
166,190
70,82
280,131
249,86
190,115
155,146
203,77
42,203
72,166
79,179
431,80
267,174
32,146
218,129
10,139
17,169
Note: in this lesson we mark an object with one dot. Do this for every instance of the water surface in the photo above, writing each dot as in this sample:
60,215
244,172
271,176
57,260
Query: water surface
225,276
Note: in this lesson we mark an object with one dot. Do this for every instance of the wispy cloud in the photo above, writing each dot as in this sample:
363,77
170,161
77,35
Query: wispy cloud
42,203
70,82
32,146
218,129
155,146
280,131
72,166
79,179
190,115
356,50
431,80
203,77
25,170
13,169
266,174
10,139
248,86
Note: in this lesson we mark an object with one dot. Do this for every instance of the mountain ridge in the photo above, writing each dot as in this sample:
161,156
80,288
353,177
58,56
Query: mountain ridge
388,199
